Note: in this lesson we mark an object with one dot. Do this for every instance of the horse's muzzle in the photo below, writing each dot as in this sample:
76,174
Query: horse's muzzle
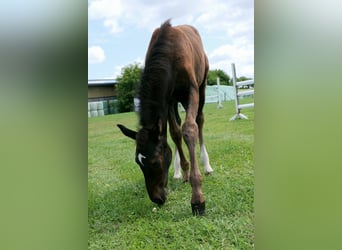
159,201
159,197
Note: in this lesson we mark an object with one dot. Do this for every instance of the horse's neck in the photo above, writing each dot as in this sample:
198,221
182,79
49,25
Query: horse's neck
154,116
153,102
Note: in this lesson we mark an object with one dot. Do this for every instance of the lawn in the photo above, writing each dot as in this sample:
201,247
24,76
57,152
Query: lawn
120,213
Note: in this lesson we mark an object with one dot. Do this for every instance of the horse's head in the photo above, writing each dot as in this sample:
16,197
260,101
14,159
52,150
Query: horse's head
153,155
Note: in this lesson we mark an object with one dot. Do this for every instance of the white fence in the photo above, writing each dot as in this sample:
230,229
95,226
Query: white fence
215,98
218,94
238,95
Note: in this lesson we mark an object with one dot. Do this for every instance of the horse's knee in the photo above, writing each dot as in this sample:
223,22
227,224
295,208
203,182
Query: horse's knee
190,132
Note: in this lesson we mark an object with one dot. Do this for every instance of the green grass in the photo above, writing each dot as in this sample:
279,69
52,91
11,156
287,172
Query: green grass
120,213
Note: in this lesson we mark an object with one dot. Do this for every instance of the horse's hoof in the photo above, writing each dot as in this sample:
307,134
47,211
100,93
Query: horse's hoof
198,209
177,177
209,173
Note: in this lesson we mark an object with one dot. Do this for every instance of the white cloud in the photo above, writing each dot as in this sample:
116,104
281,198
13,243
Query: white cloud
233,18
108,10
113,25
96,55
211,14
232,21
240,52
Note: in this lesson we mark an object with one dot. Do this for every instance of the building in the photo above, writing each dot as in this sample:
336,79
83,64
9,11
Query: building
101,97
101,89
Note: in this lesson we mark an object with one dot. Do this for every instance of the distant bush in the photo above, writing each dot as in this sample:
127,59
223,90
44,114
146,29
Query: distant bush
126,86
213,74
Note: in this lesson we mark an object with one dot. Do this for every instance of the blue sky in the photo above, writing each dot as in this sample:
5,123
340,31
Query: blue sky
119,32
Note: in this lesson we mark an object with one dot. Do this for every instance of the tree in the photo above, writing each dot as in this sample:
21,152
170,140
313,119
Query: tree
213,74
126,87
244,78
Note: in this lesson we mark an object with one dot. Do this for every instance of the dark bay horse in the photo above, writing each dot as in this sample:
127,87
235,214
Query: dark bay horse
176,69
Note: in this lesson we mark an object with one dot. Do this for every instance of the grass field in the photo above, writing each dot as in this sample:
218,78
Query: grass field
120,213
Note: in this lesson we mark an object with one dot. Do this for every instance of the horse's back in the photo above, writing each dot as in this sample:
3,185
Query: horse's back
190,33
190,51
182,46
183,40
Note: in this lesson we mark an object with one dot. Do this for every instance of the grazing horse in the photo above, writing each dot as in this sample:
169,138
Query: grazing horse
176,69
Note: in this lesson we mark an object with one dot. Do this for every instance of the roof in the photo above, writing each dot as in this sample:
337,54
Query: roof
101,82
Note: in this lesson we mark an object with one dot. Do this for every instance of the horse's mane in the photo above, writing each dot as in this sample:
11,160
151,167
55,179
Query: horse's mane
155,79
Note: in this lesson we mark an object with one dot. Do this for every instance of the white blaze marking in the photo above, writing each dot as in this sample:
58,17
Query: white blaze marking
140,157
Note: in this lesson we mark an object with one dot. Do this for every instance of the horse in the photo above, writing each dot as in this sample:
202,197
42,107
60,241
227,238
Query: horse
176,69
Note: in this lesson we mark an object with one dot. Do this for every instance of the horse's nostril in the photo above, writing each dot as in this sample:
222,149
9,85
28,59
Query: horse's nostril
158,200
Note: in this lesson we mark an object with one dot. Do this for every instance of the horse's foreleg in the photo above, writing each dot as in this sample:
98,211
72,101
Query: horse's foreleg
190,135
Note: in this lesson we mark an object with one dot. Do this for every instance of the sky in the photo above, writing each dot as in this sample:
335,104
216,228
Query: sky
119,32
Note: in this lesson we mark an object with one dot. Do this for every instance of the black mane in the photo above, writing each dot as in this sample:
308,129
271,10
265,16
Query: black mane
155,82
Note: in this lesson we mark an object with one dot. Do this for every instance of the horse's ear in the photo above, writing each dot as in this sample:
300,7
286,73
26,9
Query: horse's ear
127,132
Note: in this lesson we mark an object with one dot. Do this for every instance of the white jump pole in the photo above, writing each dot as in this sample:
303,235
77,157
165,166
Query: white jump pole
239,106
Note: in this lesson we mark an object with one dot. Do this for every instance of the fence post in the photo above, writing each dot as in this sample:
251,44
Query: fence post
219,101
238,107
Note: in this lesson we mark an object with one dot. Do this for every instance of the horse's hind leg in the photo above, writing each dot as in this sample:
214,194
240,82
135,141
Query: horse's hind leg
200,122
176,135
